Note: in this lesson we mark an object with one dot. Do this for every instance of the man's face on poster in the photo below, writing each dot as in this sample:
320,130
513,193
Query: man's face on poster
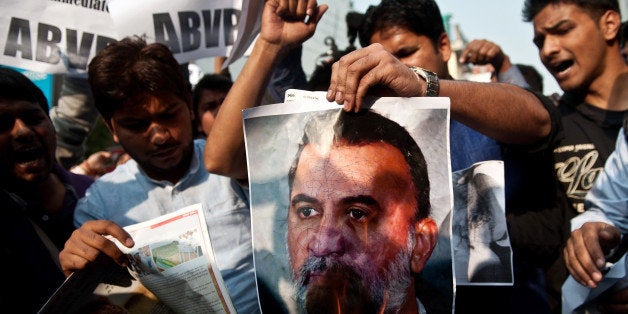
352,229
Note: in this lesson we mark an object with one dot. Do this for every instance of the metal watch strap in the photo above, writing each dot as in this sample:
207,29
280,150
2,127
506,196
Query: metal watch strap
431,79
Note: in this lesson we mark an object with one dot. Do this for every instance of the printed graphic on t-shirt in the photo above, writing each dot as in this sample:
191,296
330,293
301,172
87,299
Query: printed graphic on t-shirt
577,166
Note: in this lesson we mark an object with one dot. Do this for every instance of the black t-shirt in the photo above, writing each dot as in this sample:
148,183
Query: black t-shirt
588,139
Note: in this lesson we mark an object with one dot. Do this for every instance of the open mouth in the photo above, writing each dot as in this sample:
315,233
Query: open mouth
561,66
165,151
27,155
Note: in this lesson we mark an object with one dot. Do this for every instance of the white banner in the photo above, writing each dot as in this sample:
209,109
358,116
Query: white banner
53,36
62,36
193,29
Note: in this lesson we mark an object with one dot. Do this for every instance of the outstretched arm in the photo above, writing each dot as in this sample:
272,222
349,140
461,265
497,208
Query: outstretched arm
504,112
283,28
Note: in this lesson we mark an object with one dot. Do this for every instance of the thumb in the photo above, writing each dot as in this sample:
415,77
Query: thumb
609,238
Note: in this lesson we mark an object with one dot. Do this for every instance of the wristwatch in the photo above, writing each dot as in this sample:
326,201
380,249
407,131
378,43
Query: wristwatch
430,78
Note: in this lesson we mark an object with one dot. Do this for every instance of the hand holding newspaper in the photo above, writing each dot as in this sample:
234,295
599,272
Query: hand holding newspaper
172,269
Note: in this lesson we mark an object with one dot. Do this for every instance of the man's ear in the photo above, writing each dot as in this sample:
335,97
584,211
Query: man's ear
425,237
610,24
111,128
443,45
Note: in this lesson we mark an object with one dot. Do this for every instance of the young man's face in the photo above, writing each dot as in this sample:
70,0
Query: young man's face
157,133
352,226
208,105
571,45
27,142
415,50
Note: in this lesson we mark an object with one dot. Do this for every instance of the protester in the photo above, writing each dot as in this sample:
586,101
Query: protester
411,34
37,195
74,117
606,206
596,238
146,103
207,96
587,247
578,43
486,117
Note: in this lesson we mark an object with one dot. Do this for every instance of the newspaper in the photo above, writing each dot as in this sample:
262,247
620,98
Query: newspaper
172,269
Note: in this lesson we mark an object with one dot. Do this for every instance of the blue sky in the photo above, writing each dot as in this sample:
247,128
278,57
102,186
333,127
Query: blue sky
495,20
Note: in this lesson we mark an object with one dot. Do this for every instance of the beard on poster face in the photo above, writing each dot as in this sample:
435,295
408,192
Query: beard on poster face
327,285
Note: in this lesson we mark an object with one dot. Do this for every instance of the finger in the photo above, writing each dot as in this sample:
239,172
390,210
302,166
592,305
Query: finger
301,8
333,82
293,5
89,245
484,54
78,253
71,262
360,77
574,265
591,240
282,7
583,242
495,57
339,70
609,237
106,227
89,241
466,54
310,10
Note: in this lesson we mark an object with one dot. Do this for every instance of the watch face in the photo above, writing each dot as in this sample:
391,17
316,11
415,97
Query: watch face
431,79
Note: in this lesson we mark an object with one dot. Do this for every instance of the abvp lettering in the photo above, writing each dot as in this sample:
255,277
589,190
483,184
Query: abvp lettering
192,31
48,38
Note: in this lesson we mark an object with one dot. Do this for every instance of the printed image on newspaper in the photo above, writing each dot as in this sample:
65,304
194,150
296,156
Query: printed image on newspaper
174,259
172,268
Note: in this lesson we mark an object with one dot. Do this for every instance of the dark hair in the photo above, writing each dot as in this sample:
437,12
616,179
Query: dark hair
532,76
131,68
16,86
421,17
217,82
366,127
595,8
